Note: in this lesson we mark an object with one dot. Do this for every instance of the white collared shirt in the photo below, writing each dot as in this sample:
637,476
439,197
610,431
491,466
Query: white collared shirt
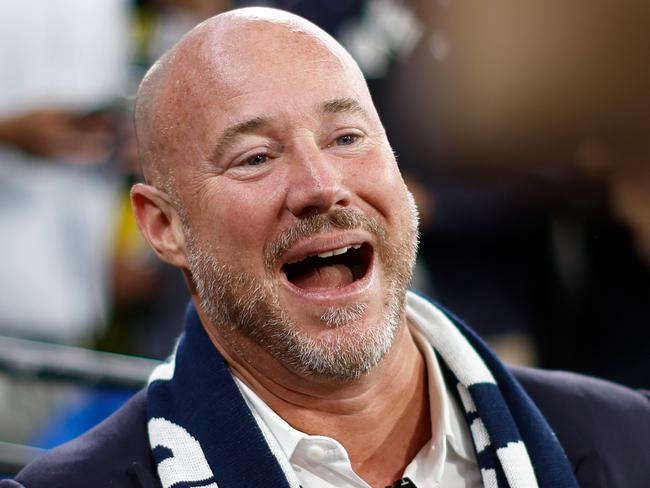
447,460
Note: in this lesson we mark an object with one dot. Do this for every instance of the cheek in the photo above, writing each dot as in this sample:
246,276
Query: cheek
377,180
244,217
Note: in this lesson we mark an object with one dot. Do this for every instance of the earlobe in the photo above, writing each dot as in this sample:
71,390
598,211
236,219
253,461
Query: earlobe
159,223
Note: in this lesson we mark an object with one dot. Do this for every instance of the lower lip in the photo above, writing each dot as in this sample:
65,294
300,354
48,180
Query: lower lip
350,291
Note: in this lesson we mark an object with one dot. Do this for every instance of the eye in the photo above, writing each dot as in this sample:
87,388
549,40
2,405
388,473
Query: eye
346,139
257,160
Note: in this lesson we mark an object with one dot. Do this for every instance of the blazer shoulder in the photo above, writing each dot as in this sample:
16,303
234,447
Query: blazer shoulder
581,390
115,453
594,418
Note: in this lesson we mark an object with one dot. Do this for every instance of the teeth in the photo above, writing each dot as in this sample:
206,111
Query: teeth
342,250
334,252
329,254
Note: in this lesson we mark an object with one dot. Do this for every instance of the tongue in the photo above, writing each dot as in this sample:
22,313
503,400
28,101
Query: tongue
325,277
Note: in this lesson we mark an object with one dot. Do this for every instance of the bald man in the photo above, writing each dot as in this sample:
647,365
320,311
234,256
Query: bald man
269,181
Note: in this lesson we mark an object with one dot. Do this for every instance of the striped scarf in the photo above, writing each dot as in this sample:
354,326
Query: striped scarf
202,433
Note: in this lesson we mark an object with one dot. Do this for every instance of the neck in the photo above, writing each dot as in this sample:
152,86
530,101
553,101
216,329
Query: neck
382,418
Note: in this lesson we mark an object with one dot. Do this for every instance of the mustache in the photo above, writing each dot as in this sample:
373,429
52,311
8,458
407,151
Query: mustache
312,224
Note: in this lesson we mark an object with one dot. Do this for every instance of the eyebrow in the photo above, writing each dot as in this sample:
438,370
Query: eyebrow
233,132
343,105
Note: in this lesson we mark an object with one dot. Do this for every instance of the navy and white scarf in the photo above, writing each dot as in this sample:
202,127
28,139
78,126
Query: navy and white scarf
202,433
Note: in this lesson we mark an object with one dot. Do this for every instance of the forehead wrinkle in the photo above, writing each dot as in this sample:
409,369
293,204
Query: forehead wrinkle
232,133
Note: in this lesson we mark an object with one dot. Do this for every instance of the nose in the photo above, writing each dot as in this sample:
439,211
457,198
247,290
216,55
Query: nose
315,184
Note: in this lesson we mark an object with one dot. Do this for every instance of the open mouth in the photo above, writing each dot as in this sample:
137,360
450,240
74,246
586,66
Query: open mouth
333,269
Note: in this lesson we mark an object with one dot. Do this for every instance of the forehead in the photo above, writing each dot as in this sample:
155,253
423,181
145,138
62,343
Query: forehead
245,52
263,63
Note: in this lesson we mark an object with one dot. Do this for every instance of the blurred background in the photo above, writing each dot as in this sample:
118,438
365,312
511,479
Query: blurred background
521,126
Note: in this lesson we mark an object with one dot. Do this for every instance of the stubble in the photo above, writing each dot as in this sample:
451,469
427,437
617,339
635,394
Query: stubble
239,303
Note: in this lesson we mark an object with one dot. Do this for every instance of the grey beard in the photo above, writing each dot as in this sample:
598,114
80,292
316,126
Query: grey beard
238,303
334,317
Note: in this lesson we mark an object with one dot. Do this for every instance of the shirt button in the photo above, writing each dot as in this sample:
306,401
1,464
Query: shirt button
315,453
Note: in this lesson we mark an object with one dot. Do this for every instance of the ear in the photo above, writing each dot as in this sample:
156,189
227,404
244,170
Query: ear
159,223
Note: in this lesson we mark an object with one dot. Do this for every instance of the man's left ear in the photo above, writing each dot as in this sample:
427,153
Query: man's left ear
159,223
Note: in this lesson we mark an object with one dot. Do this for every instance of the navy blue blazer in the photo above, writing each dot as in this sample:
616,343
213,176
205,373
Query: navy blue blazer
603,427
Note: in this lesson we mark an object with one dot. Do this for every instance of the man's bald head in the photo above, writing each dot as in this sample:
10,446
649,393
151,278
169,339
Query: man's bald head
205,66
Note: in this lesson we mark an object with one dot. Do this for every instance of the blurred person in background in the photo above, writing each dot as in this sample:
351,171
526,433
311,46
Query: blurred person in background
66,68
63,66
